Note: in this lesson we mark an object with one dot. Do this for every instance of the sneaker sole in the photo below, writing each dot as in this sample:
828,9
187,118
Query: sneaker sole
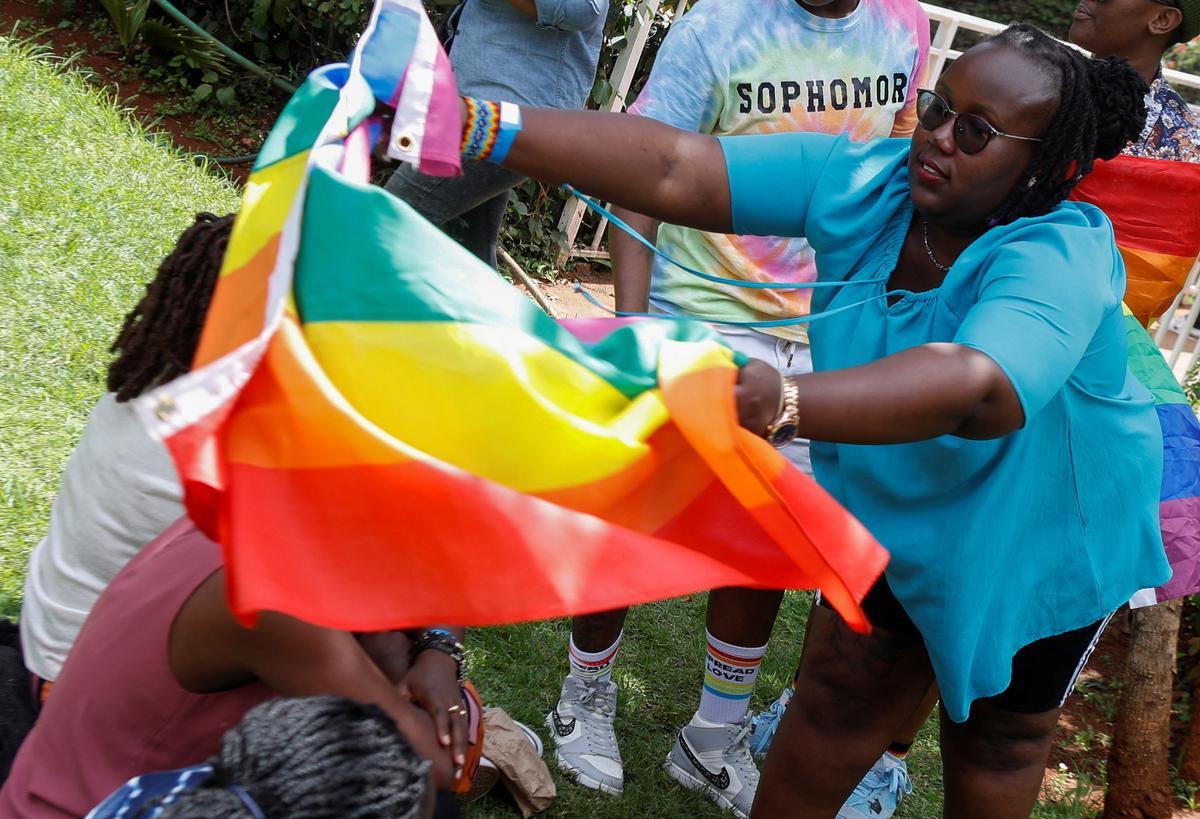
580,778
692,783
486,777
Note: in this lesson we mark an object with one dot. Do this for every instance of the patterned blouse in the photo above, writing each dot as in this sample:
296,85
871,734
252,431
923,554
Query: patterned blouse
1172,130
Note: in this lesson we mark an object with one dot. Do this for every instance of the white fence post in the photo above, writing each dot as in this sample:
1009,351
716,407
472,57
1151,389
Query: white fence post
624,70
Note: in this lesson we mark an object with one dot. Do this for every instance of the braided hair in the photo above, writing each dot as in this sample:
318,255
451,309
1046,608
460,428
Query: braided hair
1101,109
158,339
314,758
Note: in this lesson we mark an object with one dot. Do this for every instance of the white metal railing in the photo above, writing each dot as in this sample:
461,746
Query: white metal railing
1178,356
948,24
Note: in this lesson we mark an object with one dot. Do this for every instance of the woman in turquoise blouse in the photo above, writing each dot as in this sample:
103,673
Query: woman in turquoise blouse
972,403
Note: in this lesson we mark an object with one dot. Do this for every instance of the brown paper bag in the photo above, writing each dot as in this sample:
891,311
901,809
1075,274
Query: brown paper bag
521,769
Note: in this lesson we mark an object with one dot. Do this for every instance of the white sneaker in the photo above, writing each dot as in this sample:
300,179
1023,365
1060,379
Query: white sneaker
715,758
585,745
880,791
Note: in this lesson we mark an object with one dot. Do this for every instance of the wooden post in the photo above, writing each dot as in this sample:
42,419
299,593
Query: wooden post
1139,781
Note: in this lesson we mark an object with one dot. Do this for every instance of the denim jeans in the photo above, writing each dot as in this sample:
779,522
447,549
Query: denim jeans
469,208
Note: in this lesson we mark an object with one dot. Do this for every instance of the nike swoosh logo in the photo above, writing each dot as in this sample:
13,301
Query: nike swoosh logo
720,781
561,728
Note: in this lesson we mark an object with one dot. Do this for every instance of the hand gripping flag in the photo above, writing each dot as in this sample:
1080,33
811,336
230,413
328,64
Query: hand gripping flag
382,433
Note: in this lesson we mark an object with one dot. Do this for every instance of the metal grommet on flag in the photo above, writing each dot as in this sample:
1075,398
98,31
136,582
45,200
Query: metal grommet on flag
164,409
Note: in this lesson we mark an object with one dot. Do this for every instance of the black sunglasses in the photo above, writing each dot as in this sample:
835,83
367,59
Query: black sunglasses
971,131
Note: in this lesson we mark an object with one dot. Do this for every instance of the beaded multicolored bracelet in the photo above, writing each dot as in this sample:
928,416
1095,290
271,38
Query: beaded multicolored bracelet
489,129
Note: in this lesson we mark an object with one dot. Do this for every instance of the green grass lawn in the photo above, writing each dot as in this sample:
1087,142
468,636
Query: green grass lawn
88,205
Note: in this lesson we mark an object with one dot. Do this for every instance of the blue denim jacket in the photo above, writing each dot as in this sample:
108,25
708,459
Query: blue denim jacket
500,54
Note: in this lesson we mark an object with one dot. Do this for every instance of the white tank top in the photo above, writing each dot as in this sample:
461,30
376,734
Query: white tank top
118,493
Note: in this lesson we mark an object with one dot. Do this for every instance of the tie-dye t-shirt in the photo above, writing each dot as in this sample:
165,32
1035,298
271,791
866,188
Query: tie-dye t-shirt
762,66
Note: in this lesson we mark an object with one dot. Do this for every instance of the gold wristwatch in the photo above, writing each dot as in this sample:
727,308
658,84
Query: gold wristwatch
782,431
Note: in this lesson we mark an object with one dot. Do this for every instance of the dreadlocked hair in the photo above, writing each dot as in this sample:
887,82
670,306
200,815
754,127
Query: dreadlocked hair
314,758
1101,109
158,339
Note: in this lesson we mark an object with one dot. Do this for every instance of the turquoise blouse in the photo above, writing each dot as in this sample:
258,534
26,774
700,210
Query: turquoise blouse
994,543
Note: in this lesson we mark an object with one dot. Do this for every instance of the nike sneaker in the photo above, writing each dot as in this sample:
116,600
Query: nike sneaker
716,758
764,725
585,745
880,791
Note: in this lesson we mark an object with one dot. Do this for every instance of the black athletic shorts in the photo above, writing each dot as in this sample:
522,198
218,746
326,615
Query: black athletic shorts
1043,674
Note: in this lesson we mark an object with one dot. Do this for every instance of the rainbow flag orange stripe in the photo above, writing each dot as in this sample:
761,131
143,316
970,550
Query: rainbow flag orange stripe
1153,207
382,433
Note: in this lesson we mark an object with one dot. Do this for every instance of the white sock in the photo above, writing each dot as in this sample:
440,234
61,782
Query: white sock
729,675
592,665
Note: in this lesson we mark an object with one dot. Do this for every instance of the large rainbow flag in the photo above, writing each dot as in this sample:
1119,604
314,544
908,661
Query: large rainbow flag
382,433
1153,207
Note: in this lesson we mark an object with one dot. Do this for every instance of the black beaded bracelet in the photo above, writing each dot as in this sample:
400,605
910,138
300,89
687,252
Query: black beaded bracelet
439,639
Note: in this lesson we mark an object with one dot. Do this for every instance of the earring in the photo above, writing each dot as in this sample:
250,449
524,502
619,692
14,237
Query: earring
1032,181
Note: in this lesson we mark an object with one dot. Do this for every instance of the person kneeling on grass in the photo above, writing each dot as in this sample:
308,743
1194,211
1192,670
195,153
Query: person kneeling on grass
310,758
162,669
972,402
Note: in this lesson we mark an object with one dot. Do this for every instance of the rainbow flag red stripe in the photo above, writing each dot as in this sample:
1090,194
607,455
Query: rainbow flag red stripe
383,433
1153,207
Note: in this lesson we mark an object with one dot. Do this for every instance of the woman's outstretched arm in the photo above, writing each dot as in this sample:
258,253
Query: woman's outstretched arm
913,395
672,175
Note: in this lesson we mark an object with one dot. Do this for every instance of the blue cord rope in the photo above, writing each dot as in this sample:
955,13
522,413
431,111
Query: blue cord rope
731,322
620,223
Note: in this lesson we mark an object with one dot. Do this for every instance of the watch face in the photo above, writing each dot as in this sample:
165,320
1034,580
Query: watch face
782,435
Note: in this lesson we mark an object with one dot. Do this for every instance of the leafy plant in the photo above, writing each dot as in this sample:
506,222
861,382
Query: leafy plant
135,31
530,231
127,19
197,52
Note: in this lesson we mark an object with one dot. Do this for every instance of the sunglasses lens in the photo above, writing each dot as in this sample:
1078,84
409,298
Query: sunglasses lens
931,111
971,133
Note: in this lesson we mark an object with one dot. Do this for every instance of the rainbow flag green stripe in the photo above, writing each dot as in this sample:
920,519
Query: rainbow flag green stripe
447,287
